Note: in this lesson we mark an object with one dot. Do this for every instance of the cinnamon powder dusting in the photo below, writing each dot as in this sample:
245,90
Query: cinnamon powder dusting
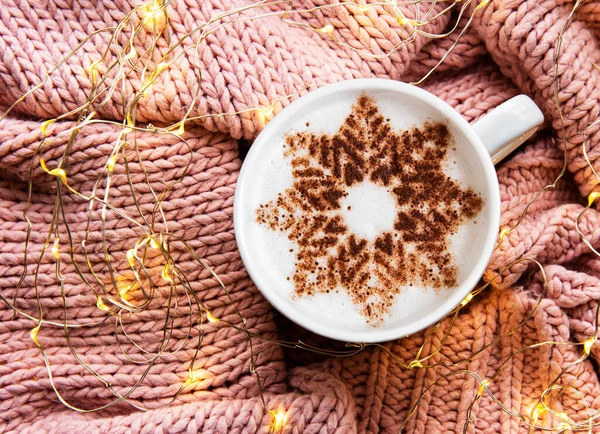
430,208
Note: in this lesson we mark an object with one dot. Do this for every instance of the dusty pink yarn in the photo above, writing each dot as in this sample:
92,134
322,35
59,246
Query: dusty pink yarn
252,63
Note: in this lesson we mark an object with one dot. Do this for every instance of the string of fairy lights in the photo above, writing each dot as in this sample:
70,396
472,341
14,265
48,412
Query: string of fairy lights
115,297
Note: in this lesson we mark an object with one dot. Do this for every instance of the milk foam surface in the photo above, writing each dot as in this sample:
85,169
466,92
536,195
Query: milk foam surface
369,210
278,253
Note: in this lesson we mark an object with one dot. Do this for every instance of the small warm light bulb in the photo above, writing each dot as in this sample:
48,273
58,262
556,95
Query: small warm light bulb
364,8
58,172
123,291
484,384
587,345
154,244
592,197
44,126
155,18
210,317
161,67
503,233
326,29
158,70
466,300
101,305
124,285
537,411
94,71
34,333
278,420
131,258
165,274
265,114
55,251
565,426
415,364
129,124
192,377
179,131
132,53
110,164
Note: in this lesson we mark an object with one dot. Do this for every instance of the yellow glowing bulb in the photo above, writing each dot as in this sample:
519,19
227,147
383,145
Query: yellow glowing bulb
155,18
564,426
179,131
192,377
128,124
44,126
278,420
58,172
364,8
484,384
415,364
587,345
154,244
264,114
55,251
161,67
592,197
94,70
210,317
326,29
110,164
34,333
503,233
165,274
537,410
157,71
131,258
132,53
466,300
101,305
123,291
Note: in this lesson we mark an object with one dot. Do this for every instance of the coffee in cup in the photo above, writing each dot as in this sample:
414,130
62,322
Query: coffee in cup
368,209
373,211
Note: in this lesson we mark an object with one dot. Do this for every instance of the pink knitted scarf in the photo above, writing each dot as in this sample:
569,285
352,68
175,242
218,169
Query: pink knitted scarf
508,49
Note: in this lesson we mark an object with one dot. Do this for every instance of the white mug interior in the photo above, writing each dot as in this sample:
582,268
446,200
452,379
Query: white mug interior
266,172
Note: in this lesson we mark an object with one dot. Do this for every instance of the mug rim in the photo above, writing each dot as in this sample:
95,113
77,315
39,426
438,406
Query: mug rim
492,197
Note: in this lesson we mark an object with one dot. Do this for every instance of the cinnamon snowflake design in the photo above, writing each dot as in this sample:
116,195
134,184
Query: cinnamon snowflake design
430,207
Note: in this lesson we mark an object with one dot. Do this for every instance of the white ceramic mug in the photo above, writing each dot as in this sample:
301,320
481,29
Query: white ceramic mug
265,172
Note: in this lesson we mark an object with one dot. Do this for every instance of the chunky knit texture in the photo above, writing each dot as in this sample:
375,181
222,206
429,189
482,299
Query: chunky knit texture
246,64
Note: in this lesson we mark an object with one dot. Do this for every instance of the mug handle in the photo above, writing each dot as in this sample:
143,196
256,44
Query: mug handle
507,126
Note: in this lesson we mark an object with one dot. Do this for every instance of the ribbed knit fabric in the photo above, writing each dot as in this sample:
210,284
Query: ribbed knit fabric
509,50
